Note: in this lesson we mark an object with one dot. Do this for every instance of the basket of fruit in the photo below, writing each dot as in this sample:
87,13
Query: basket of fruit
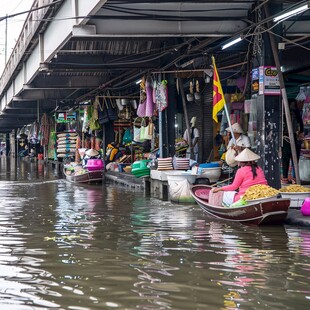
296,193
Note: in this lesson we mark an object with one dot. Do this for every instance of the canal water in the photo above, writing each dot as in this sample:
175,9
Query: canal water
67,246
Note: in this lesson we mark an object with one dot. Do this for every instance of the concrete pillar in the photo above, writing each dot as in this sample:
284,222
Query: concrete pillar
168,119
269,117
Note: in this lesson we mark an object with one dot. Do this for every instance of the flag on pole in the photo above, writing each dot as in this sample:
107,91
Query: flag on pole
218,95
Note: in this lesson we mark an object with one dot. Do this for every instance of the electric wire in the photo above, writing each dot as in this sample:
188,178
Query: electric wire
251,33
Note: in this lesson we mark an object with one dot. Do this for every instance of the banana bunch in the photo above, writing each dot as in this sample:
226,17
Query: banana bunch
259,191
294,188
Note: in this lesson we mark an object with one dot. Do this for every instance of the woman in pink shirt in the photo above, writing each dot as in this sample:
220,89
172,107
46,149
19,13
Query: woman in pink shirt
247,175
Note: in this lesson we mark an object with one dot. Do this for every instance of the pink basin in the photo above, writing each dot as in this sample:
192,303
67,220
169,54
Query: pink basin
305,208
95,164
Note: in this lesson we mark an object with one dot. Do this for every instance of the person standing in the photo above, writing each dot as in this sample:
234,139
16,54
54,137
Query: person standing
193,137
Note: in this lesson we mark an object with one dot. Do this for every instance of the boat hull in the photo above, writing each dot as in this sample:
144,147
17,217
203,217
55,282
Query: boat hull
88,177
273,211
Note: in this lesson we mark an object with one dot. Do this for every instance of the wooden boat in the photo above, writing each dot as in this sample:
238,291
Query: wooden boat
265,211
84,176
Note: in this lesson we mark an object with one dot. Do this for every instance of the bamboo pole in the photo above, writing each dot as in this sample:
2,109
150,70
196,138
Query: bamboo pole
284,97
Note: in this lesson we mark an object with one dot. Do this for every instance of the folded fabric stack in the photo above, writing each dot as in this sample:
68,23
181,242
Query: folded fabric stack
66,144
181,163
164,163
140,168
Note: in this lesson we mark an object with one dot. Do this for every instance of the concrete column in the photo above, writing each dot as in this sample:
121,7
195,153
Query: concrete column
168,119
269,118
41,47
75,11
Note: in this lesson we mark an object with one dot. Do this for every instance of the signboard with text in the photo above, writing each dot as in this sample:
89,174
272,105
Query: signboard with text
265,81
65,117
255,81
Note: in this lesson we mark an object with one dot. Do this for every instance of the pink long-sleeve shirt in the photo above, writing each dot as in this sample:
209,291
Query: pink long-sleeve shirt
244,179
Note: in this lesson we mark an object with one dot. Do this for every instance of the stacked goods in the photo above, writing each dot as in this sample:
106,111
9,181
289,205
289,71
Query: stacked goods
66,144
296,193
259,191
164,164
295,188
181,163
140,168
51,148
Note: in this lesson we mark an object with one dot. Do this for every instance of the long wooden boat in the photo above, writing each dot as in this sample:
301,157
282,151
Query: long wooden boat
268,211
95,176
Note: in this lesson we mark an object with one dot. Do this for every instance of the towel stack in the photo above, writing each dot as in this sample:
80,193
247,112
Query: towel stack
181,163
164,163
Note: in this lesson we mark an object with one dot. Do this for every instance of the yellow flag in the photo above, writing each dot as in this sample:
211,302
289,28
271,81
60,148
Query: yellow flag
218,95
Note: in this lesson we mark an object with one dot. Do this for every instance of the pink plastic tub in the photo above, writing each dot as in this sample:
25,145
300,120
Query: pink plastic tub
95,164
305,208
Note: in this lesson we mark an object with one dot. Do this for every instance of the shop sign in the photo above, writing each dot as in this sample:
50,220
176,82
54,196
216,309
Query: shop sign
65,117
269,81
255,78
265,81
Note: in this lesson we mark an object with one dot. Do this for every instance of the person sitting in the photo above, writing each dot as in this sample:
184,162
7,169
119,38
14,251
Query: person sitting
247,175
235,147
90,154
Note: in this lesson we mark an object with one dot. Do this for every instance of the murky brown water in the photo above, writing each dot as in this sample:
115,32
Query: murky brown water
69,246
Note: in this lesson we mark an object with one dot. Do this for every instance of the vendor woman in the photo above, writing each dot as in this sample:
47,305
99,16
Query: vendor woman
248,174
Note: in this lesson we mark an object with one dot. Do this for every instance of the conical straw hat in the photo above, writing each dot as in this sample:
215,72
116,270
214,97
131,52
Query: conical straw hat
193,121
92,152
247,155
235,128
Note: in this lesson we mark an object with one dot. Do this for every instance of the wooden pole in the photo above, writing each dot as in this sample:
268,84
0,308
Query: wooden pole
284,97
83,140
179,80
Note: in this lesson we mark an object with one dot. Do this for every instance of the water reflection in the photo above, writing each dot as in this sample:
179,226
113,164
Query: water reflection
20,270
68,246
18,169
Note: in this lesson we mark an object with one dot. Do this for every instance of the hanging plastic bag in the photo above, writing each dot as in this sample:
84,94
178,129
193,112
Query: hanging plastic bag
94,124
161,98
127,137
150,129
141,109
149,108
146,132
179,191
95,108
137,130
230,157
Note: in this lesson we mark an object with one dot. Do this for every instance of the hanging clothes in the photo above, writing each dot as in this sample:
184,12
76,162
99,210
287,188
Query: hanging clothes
44,130
161,95
149,108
